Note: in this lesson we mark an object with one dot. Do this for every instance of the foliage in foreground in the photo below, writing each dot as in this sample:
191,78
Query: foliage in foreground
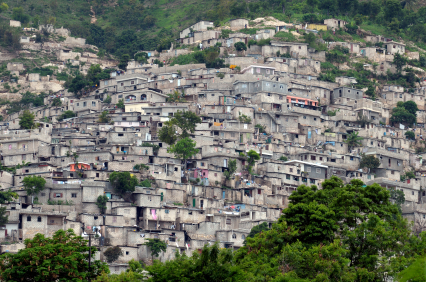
342,232
64,257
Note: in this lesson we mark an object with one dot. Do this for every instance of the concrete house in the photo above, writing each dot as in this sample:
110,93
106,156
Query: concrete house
335,23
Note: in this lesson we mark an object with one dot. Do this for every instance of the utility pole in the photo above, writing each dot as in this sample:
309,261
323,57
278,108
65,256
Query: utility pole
90,249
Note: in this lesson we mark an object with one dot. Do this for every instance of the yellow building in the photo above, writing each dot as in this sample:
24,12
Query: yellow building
317,26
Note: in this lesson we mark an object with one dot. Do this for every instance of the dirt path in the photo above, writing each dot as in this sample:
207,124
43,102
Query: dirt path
93,19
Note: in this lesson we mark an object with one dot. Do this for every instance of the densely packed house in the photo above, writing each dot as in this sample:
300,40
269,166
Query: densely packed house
286,121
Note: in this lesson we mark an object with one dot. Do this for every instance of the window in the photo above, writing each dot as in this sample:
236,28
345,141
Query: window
228,221
304,117
43,194
120,134
308,169
132,82
58,195
166,211
291,170
122,84
318,170
287,176
39,219
73,195
127,253
84,104
243,237
28,218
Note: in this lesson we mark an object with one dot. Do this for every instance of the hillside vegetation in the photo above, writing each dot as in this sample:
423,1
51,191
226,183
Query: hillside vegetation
127,26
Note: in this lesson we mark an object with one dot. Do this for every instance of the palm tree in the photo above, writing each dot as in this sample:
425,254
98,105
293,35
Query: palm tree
354,140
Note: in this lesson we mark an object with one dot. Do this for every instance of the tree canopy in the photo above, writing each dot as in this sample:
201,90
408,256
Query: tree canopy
113,253
101,202
183,122
183,149
66,114
404,113
26,120
33,184
213,264
369,161
5,197
339,233
123,182
64,257
156,246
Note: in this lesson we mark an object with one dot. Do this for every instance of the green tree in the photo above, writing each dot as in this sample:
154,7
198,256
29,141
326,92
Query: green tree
244,119
411,107
184,121
33,184
66,115
18,15
401,115
141,57
141,167
354,140
370,91
183,149
56,102
240,46
156,246
113,253
3,7
369,161
133,274
258,229
232,168
123,182
5,197
253,156
410,175
104,117
26,120
399,61
350,232
101,202
283,158
145,183
120,104
124,62
64,257
107,100
77,85
397,196
176,97
95,74
213,264
410,135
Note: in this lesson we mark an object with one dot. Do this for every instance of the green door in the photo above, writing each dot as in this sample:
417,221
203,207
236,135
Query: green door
161,196
193,202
